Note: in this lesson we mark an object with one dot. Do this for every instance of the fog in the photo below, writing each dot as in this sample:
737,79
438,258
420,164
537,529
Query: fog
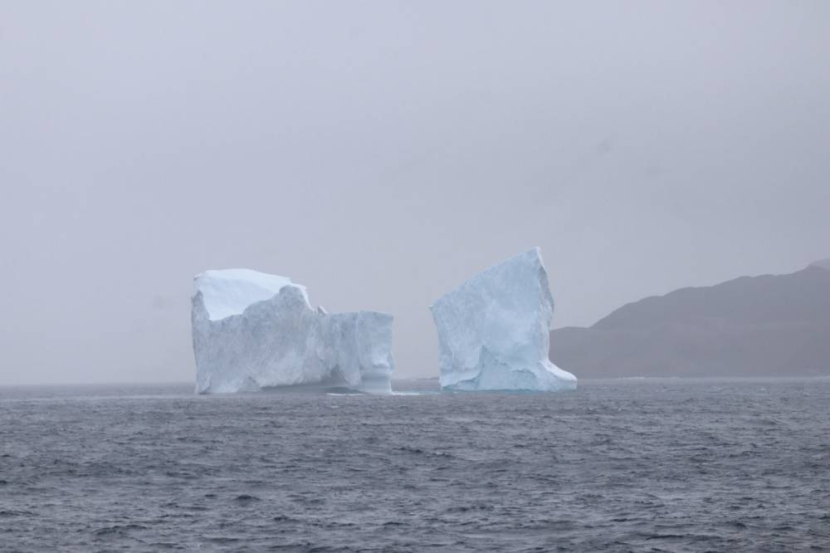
382,152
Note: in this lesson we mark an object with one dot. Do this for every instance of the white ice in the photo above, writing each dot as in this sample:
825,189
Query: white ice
493,330
253,331
229,291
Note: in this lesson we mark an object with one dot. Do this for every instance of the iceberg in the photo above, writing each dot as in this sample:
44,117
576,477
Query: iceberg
493,330
254,331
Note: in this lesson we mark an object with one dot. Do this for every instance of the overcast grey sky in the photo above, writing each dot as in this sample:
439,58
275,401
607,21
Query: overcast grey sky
382,152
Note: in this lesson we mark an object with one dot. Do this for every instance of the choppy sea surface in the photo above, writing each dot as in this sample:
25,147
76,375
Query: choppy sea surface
626,465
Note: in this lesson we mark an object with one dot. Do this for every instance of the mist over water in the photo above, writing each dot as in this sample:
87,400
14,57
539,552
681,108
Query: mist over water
625,465
381,153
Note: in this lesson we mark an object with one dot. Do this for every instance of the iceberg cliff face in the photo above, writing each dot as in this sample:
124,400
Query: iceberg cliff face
253,331
493,330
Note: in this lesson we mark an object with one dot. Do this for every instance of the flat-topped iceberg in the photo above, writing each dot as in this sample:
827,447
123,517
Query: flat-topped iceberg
493,330
254,331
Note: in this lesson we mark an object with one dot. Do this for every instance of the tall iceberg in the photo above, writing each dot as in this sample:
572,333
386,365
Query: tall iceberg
493,330
254,331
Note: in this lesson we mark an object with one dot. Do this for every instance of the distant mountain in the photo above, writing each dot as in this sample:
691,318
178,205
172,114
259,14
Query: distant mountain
824,264
772,325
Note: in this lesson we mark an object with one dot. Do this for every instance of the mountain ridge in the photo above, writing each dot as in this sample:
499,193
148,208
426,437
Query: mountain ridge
764,325
823,264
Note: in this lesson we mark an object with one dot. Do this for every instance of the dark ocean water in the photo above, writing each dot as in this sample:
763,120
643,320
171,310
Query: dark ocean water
650,465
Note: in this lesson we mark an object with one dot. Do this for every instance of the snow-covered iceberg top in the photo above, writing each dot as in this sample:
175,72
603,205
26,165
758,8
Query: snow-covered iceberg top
228,292
493,330
254,331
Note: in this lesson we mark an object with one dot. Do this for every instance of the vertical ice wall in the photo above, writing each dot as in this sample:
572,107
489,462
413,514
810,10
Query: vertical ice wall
493,330
253,331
